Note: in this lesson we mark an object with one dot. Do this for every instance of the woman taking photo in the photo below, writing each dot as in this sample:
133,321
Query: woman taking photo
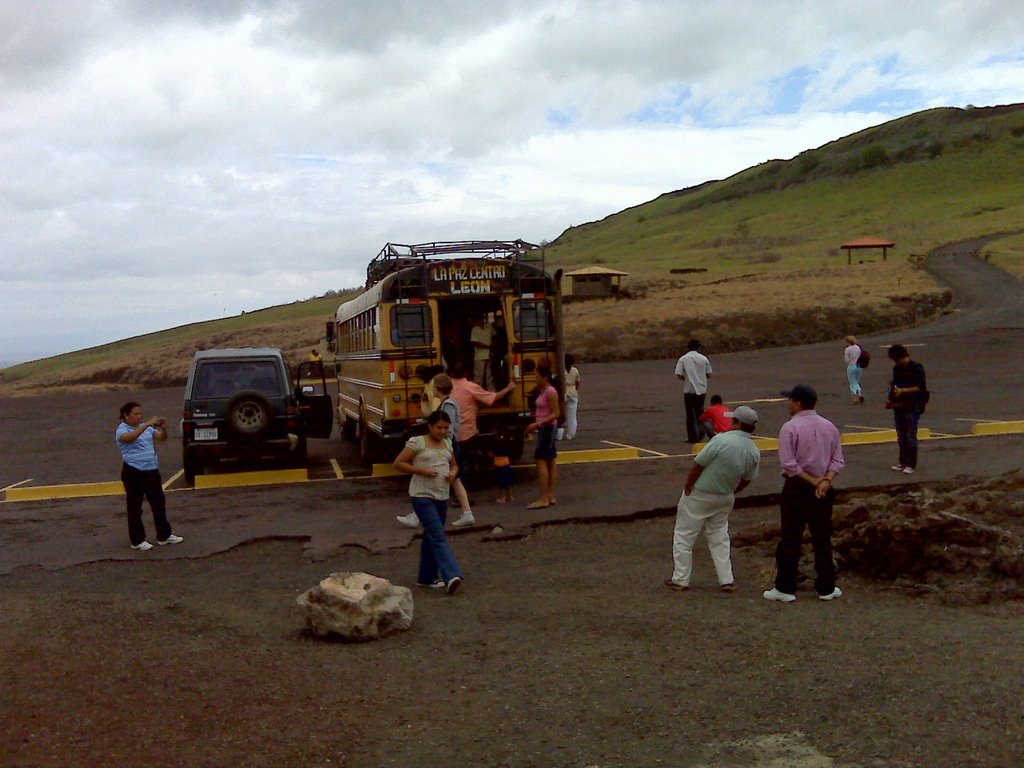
140,475
546,413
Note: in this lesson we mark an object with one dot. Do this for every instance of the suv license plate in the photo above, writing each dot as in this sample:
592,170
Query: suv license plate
206,433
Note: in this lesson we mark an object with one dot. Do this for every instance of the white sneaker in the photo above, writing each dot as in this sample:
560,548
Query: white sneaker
835,595
453,584
409,521
142,546
438,584
897,467
466,518
781,597
908,470
172,539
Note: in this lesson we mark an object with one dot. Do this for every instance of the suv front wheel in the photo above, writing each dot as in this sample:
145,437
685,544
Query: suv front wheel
249,412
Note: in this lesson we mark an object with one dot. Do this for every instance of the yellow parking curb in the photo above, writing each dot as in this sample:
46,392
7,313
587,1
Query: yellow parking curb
564,457
266,477
879,436
998,428
597,454
75,490
762,443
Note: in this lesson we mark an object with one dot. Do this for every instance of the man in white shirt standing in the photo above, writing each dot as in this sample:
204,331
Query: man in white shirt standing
481,337
694,369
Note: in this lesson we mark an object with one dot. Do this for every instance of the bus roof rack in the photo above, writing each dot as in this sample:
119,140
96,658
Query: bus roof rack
396,256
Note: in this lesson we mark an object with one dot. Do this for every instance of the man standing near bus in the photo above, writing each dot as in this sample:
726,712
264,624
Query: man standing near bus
470,395
481,337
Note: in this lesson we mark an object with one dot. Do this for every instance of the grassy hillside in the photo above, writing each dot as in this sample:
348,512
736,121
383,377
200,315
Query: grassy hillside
768,237
162,358
923,180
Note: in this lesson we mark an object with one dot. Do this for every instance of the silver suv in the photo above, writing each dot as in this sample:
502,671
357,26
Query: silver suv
240,403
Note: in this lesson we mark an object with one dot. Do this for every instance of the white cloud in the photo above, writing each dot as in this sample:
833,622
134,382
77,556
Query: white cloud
270,147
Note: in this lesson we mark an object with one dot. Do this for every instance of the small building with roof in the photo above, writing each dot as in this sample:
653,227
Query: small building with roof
595,281
867,242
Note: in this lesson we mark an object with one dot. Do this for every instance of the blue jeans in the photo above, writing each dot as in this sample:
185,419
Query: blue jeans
853,374
436,556
906,434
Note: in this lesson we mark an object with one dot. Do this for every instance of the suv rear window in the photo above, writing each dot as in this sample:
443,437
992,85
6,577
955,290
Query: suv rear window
224,379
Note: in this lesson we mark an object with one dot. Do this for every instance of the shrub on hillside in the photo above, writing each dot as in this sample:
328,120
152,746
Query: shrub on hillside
874,156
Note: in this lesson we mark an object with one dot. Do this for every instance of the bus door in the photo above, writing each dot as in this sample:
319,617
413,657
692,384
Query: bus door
457,318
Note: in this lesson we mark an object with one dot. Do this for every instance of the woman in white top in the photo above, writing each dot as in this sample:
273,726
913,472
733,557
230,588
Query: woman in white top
572,396
853,371
430,460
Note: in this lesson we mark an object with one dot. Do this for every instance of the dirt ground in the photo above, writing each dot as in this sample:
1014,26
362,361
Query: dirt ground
562,649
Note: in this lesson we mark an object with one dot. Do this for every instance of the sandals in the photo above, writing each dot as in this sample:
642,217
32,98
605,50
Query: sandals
538,505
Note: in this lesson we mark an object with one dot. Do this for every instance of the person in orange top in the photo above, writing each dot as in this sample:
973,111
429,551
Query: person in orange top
714,420
470,395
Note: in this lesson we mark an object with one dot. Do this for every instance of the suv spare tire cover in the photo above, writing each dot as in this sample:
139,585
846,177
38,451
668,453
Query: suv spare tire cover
249,412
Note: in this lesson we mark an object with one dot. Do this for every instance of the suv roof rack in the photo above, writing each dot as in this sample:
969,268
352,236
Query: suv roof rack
396,256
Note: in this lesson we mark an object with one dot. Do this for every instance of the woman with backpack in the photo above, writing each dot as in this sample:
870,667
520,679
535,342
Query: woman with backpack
854,355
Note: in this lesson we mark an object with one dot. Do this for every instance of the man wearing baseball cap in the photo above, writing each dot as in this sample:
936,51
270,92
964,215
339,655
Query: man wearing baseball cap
726,465
811,456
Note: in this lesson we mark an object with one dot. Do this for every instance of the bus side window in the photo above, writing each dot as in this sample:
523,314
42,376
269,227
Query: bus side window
532,320
410,325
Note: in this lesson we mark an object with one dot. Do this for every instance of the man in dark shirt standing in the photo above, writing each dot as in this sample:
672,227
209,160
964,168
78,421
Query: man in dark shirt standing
908,395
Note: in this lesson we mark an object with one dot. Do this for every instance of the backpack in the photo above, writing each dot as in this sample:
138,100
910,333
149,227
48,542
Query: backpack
865,358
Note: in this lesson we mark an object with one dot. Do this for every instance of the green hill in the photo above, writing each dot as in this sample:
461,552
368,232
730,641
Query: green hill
773,231
162,358
933,177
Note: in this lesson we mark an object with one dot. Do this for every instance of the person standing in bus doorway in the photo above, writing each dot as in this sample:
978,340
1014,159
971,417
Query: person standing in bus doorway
140,475
546,413
499,353
470,395
430,460
693,369
481,337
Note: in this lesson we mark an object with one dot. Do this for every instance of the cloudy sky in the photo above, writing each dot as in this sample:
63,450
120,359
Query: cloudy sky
167,161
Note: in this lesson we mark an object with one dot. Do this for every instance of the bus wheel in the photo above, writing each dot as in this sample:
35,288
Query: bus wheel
348,427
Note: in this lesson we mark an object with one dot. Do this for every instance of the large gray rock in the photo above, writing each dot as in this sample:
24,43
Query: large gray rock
356,607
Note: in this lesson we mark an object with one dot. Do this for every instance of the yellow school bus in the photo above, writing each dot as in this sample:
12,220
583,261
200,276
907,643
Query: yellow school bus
415,319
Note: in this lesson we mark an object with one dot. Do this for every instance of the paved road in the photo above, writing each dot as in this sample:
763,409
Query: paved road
974,360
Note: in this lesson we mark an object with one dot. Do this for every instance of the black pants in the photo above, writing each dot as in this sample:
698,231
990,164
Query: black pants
800,507
694,405
139,484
